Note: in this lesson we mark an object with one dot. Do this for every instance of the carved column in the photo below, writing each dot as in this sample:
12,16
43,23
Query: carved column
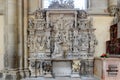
20,37
25,38
112,5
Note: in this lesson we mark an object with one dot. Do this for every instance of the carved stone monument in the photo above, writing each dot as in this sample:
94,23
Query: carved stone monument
64,35
61,35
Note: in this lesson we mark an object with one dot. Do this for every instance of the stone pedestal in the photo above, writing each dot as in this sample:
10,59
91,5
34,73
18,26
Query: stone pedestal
107,68
75,74
11,75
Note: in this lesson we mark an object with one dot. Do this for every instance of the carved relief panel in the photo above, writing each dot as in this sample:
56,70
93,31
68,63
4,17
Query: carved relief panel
60,34
38,35
62,30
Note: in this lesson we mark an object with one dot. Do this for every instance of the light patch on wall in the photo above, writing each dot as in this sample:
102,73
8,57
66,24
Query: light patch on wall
102,26
2,6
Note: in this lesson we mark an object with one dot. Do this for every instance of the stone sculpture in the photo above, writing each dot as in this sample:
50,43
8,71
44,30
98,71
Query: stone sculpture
61,35
66,4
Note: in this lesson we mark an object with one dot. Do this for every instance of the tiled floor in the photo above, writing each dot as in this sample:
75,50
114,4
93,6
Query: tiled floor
57,78
60,78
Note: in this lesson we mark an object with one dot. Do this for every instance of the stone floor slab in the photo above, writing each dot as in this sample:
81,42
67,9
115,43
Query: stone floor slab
62,78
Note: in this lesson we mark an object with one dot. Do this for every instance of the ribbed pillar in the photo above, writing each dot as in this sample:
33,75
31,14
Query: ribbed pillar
26,69
11,35
20,37
25,33
20,34
41,4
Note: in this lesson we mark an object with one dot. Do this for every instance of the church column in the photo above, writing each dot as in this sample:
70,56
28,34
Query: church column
20,37
112,5
26,69
11,38
41,4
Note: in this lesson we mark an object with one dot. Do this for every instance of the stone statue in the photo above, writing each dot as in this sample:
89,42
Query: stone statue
85,42
30,23
47,39
31,43
76,66
65,4
40,43
58,51
92,43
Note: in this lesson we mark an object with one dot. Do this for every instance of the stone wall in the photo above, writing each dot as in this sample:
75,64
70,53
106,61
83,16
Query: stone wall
98,7
33,5
102,25
1,6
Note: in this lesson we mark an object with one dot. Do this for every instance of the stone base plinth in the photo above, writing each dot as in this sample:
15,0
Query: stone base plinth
75,74
10,75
